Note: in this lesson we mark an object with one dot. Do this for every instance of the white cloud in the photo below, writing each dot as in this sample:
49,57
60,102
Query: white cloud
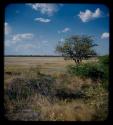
7,28
89,15
42,20
44,8
64,30
105,35
25,47
20,37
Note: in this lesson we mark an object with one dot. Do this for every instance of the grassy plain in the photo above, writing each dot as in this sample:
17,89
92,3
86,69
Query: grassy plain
75,99
47,65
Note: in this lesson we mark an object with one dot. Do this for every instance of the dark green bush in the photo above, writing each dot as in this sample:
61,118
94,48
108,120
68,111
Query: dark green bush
95,71
88,70
104,60
18,89
43,85
22,88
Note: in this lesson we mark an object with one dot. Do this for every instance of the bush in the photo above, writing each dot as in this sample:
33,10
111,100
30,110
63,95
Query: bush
21,88
43,85
18,89
97,98
104,60
97,71
88,70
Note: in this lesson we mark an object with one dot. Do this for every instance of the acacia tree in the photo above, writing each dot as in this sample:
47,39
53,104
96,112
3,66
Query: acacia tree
77,48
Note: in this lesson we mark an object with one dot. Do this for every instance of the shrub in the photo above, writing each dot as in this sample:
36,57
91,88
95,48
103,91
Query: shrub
104,60
21,88
65,93
97,98
43,85
88,70
18,89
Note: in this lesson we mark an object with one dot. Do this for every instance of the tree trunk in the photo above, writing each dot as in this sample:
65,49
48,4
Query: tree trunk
77,61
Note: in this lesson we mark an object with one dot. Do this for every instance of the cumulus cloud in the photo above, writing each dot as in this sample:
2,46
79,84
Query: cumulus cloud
44,8
7,28
89,15
105,35
42,20
64,30
20,37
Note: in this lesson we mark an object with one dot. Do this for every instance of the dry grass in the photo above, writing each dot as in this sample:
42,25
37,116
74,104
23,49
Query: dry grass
48,65
71,111
38,107
47,111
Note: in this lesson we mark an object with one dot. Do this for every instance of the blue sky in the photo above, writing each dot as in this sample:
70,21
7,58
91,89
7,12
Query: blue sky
35,29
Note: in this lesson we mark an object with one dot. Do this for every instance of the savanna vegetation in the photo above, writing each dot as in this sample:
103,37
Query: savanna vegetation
77,48
74,92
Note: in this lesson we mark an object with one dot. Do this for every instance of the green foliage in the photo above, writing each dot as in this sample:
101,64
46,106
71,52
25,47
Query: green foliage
104,60
77,48
93,71
96,71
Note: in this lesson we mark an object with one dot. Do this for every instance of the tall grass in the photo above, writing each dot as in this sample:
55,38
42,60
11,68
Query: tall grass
31,95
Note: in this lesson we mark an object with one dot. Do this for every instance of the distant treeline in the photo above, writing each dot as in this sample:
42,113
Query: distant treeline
33,56
37,56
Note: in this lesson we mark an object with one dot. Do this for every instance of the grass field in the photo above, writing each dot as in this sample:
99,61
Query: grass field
47,65
75,99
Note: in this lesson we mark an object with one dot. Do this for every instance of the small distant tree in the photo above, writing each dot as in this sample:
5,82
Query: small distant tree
77,48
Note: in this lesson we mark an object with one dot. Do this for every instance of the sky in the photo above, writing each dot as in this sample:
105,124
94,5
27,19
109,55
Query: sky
36,28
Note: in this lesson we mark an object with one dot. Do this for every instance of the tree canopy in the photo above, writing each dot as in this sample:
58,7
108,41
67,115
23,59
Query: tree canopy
77,48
